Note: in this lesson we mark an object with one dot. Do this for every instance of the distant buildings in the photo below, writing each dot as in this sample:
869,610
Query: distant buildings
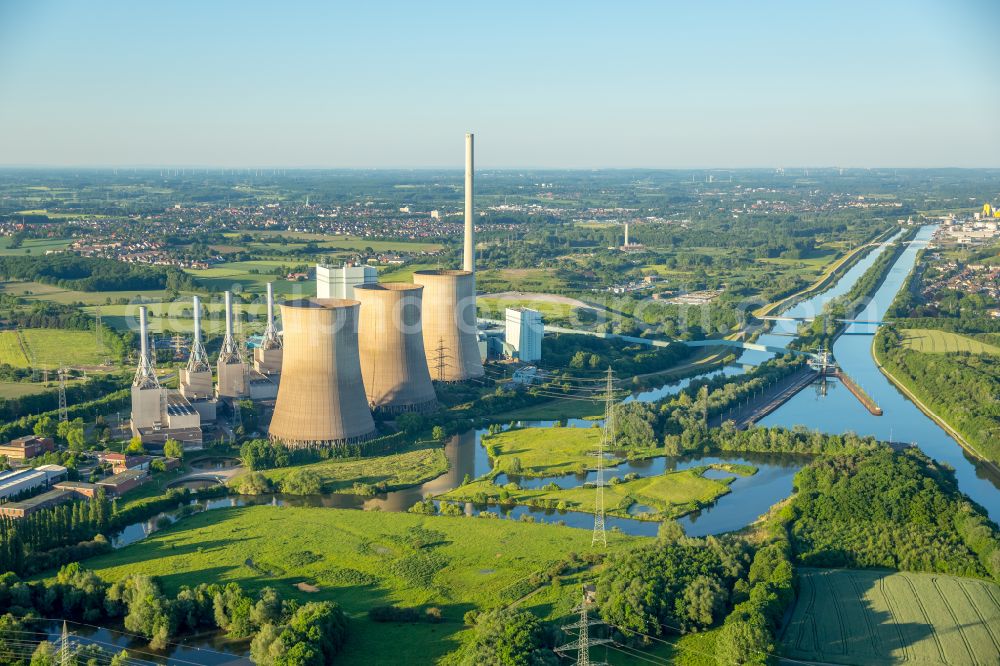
340,282
524,331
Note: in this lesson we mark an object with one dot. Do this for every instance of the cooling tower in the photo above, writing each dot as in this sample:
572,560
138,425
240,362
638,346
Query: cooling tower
391,342
449,323
321,397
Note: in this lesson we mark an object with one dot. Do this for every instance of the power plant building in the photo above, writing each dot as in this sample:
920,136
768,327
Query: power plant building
231,368
524,331
390,339
159,413
451,341
196,378
340,282
321,397
267,356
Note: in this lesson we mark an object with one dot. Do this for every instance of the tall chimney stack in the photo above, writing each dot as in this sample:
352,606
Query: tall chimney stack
196,343
271,339
145,372
229,315
270,304
143,336
626,234
469,256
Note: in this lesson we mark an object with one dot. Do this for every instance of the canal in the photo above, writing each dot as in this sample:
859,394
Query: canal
827,407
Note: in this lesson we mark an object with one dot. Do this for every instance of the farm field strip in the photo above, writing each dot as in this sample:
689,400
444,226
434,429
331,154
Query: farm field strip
873,618
932,341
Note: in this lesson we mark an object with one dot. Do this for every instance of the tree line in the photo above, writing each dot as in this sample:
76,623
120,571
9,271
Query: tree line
285,632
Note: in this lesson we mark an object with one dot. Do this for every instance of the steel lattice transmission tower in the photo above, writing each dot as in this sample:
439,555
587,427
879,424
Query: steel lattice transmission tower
607,441
583,641
63,412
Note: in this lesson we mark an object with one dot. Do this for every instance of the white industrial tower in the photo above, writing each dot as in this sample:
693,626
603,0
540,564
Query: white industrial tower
145,373
469,254
198,360
271,339
231,367
268,356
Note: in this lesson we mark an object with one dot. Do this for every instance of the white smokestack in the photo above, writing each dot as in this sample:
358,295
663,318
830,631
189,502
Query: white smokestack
197,323
270,304
469,257
143,334
626,234
229,315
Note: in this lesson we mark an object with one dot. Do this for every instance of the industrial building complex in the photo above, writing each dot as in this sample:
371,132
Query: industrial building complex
357,351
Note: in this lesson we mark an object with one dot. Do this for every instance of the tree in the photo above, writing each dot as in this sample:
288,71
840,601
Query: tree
120,659
703,600
44,655
508,638
302,482
46,427
173,449
438,433
135,446
743,639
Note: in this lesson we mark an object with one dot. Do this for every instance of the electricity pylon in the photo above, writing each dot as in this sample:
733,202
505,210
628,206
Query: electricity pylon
583,641
607,440
63,412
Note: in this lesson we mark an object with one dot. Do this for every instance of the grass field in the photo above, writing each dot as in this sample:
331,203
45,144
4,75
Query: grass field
876,618
35,246
495,306
398,470
49,347
46,292
932,341
365,559
545,451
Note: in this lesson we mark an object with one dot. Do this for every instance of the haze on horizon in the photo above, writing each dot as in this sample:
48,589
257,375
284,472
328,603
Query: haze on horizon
548,85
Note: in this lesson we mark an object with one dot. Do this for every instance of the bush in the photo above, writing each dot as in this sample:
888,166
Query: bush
302,482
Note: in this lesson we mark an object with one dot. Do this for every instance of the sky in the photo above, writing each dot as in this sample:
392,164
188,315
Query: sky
373,84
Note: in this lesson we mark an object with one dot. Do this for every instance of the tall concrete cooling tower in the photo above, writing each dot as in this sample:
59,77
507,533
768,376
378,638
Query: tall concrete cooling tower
390,337
321,397
449,321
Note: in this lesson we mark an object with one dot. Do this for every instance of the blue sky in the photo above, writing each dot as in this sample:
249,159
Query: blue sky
543,84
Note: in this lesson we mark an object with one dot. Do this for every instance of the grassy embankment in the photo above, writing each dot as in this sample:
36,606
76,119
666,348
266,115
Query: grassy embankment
397,470
367,559
543,452
876,617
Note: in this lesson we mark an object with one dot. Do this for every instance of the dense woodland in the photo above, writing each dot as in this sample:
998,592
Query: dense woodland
963,388
89,274
895,509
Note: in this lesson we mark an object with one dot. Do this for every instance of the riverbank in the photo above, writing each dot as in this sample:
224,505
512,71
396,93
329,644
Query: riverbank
930,413
833,274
